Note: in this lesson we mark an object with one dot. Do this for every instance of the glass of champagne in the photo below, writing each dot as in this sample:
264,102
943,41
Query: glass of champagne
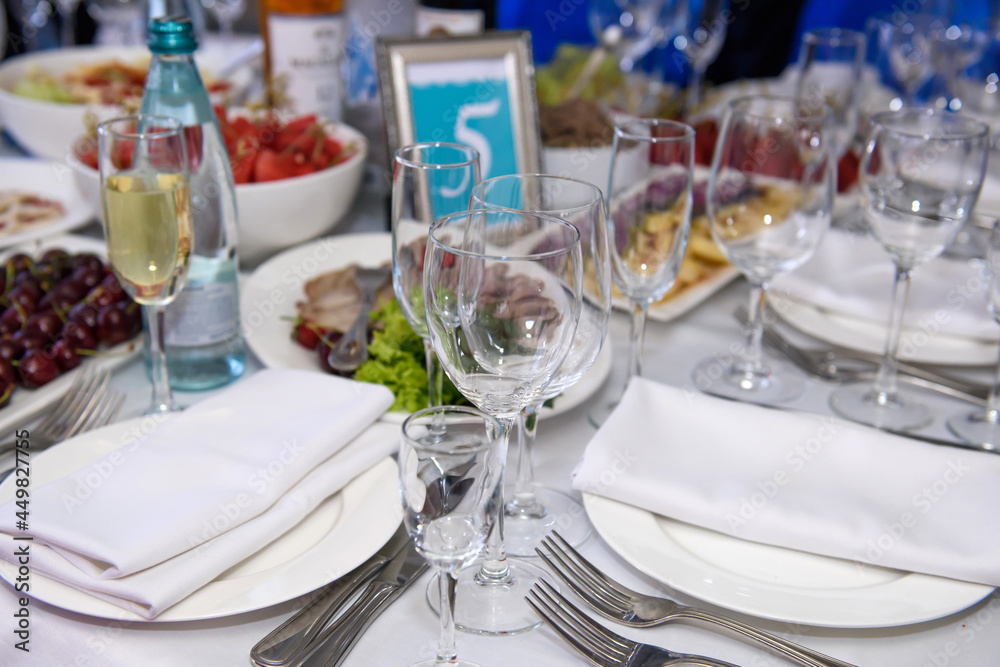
535,510
449,476
769,202
429,181
503,291
920,178
146,210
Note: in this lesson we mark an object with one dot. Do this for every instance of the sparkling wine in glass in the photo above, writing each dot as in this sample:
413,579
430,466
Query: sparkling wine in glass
503,297
920,178
533,510
769,202
146,210
449,474
429,181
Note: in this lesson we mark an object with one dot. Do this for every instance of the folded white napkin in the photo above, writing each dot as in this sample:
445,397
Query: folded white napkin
806,482
175,508
852,275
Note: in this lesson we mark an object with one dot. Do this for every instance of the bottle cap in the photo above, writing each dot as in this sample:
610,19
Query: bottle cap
171,34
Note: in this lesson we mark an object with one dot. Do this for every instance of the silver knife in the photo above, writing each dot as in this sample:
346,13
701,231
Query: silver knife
333,645
282,645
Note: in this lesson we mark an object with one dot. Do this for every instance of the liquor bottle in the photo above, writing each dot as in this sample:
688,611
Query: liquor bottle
304,41
203,342
454,17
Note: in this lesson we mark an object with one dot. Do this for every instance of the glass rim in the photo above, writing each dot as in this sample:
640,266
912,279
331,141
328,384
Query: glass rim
686,131
442,221
461,148
174,128
976,128
815,113
569,209
492,426
837,37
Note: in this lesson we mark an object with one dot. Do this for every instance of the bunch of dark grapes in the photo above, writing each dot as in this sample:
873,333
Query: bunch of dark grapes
58,309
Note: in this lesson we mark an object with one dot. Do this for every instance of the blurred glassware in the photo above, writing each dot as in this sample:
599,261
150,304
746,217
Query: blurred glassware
697,29
906,41
226,13
119,22
629,29
831,64
920,178
67,22
954,50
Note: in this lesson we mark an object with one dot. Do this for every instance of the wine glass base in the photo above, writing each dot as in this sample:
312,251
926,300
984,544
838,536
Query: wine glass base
492,609
523,532
774,383
896,412
168,409
975,429
457,663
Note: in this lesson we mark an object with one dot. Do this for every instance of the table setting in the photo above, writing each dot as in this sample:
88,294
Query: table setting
727,393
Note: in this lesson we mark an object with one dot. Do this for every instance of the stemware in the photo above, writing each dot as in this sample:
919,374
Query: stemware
698,29
769,201
503,297
627,28
146,207
920,177
907,41
429,181
534,510
448,478
982,427
831,67
650,183
226,12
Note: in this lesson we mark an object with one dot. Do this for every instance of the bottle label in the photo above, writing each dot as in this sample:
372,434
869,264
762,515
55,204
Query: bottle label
430,21
305,61
202,314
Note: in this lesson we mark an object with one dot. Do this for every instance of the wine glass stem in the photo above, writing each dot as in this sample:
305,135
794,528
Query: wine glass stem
693,97
755,317
435,375
635,346
447,654
525,503
494,570
162,398
993,402
885,381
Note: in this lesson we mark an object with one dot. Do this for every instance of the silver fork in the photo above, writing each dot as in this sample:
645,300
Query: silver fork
601,646
351,350
623,605
88,404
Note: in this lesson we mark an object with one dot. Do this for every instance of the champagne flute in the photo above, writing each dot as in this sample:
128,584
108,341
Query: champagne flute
448,477
920,177
146,206
649,214
769,202
535,510
503,298
429,181
698,28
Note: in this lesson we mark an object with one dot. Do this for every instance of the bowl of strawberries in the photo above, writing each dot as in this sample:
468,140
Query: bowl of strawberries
295,177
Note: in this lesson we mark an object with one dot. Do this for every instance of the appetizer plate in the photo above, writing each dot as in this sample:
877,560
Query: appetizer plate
773,582
268,298
49,180
340,534
664,311
26,403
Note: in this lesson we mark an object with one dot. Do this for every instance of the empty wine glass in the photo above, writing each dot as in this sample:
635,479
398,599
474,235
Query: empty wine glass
649,214
831,67
982,427
448,478
226,12
119,22
954,49
502,293
627,28
429,181
907,39
534,510
769,202
698,30
920,177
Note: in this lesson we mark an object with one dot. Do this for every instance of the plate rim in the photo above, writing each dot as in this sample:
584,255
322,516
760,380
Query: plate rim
613,533
79,215
372,534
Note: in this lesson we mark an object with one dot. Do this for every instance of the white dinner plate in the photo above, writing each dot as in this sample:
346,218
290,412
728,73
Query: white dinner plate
336,537
269,295
773,582
26,403
50,180
859,334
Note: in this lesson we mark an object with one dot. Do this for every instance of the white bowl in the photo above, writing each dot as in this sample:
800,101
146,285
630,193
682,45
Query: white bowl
591,164
276,215
48,129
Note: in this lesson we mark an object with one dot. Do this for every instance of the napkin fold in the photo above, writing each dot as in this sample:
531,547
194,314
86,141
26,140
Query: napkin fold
853,275
171,509
806,482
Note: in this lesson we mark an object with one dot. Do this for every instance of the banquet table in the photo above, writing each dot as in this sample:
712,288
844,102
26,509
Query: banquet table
407,631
